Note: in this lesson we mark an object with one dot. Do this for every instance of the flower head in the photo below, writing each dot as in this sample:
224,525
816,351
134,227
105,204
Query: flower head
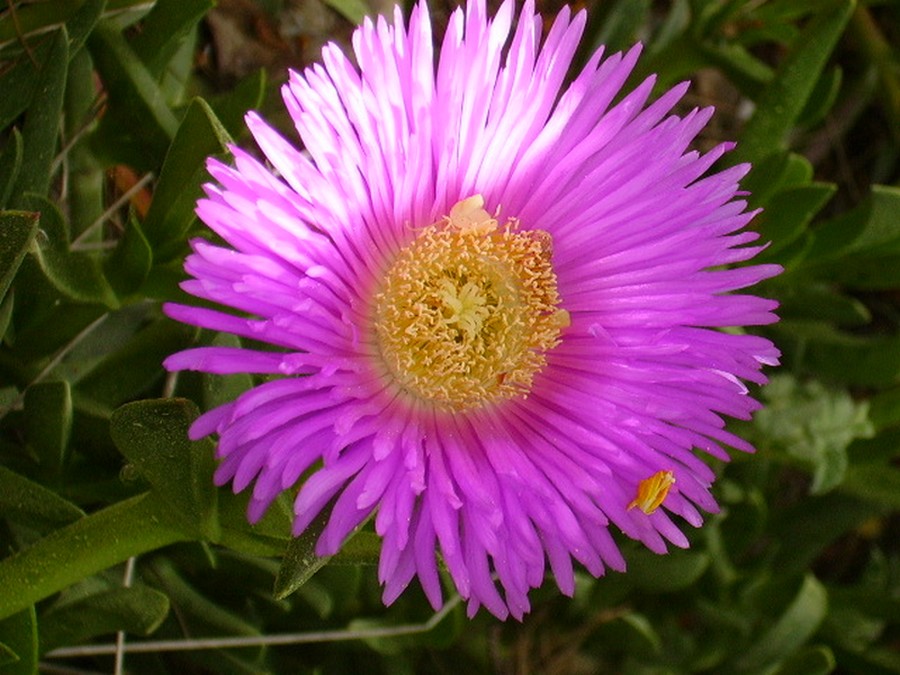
496,304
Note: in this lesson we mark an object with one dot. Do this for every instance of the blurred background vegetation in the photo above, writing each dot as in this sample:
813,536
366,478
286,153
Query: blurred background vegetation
109,525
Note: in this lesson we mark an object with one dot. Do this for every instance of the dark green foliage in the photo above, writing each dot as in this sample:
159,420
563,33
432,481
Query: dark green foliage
798,574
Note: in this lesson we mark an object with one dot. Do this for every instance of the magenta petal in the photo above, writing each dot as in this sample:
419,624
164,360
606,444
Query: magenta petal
649,251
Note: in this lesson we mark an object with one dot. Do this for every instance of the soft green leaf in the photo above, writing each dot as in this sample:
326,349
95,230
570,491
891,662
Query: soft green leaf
17,231
815,425
31,503
166,26
48,422
153,435
76,274
784,99
885,409
790,631
10,165
41,130
172,210
133,95
87,546
19,643
128,266
138,610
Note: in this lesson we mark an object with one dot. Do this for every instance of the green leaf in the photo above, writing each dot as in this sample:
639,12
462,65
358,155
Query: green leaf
41,130
822,98
788,215
19,643
138,610
300,560
808,528
128,266
30,503
810,661
860,248
10,165
153,435
784,99
844,358
32,18
172,210
876,483
87,546
17,231
131,369
221,389
352,10
166,26
133,95
230,108
820,302
193,603
48,422
774,174
77,275
666,573
792,629
814,425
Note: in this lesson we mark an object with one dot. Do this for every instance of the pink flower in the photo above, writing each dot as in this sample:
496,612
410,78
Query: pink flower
495,304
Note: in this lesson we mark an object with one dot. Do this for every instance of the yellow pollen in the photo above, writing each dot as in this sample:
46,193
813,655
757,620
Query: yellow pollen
467,311
652,492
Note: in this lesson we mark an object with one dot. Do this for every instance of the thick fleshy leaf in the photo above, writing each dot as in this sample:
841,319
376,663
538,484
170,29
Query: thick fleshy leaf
165,28
32,504
133,95
352,10
87,546
128,266
41,130
48,422
10,165
809,661
19,643
76,274
153,435
790,631
172,210
17,232
786,96
138,610
130,367
231,107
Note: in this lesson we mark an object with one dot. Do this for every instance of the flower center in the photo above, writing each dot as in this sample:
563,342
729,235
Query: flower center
468,310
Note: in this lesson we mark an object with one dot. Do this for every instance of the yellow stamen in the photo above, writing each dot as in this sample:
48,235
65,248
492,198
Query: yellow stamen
467,311
652,491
